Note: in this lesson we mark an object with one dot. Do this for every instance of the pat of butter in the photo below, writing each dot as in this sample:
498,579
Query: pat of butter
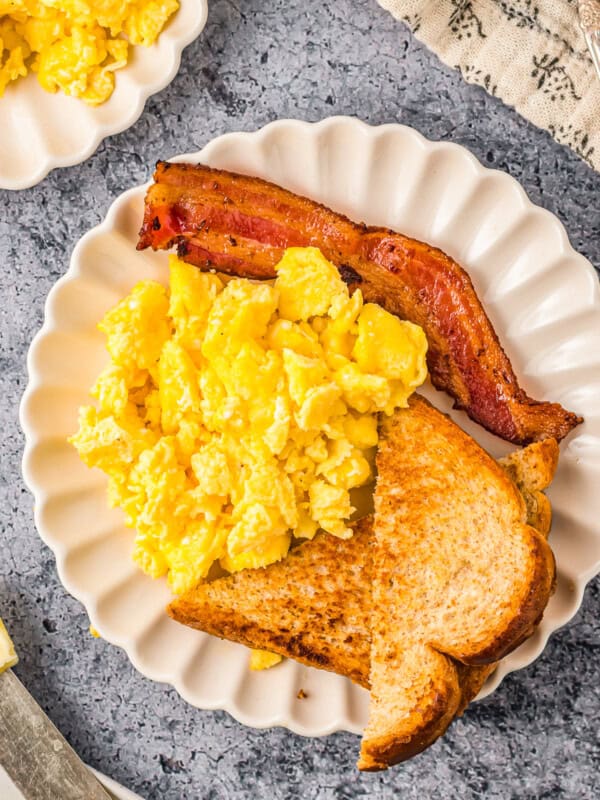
8,656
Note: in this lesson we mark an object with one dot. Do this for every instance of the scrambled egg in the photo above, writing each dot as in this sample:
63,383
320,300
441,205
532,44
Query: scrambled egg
263,659
236,415
76,45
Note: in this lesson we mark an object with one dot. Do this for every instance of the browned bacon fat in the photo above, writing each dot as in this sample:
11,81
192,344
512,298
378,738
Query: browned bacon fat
241,225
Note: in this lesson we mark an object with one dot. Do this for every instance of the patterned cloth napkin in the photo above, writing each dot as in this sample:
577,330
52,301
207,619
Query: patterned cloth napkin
530,53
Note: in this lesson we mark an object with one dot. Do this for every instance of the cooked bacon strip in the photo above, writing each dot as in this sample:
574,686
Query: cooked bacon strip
241,225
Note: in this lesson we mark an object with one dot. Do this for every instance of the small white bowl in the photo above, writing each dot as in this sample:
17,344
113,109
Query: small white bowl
41,131
543,298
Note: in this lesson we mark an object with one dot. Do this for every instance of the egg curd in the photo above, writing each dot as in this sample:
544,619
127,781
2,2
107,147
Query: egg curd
76,45
235,415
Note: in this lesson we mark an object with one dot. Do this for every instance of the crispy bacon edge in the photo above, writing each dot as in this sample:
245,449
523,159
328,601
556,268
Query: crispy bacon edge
241,225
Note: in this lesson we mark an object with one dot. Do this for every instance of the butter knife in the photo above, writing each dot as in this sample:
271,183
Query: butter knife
589,20
33,752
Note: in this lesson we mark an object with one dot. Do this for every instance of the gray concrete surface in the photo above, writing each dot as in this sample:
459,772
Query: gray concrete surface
538,736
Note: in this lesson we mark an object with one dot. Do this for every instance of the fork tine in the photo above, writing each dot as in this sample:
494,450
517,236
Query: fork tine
589,20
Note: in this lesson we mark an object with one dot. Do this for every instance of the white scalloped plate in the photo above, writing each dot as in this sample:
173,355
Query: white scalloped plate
8,791
41,131
543,298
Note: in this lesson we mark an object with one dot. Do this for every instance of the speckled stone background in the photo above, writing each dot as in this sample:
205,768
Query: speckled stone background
539,735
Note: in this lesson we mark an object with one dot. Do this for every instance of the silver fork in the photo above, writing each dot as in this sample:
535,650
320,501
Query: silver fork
589,19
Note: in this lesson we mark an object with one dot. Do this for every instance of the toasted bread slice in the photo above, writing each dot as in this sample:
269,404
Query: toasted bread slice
315,605
458,575
532,470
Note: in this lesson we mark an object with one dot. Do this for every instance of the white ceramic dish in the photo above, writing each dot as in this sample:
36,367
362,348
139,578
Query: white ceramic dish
41,131
8,791
543,298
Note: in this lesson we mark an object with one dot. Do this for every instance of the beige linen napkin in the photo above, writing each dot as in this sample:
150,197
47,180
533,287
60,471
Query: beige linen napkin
529,53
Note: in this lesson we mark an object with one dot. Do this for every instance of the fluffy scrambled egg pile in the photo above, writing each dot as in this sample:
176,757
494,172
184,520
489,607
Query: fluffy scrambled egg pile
76,45
235,415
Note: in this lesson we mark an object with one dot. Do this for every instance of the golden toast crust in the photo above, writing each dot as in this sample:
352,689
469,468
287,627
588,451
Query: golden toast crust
423,726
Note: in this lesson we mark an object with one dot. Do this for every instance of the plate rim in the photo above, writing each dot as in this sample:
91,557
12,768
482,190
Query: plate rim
583,577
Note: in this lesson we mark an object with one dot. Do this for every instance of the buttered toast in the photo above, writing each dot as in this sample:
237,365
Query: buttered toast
452,571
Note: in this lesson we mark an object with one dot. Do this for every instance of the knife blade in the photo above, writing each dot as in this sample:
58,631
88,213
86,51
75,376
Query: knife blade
34,753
